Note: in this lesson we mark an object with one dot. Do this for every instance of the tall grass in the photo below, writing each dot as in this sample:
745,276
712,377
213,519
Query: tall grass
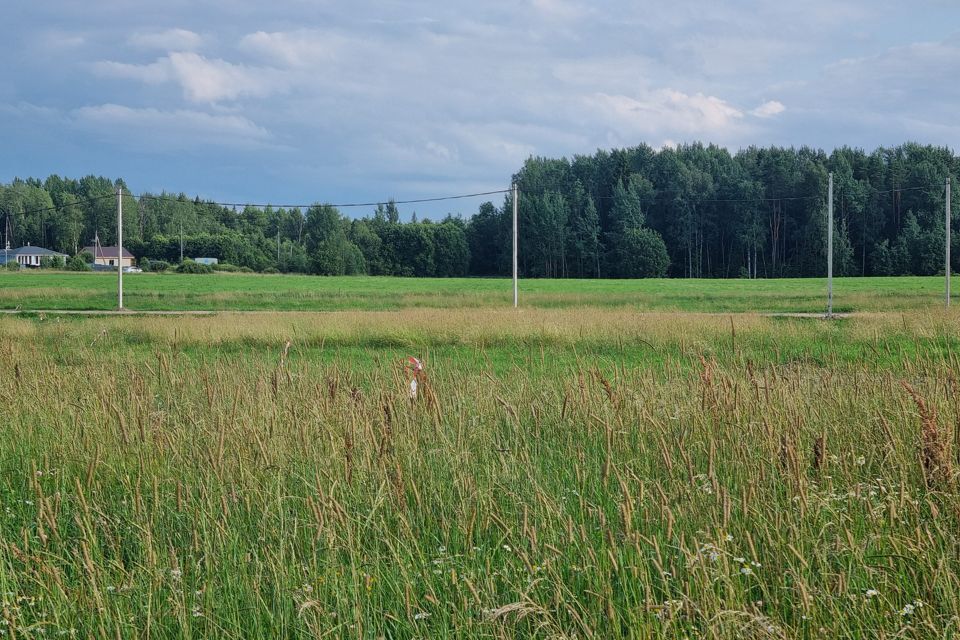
562,474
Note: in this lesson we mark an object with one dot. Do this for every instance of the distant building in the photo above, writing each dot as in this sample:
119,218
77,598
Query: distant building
207,261
107,256
28,256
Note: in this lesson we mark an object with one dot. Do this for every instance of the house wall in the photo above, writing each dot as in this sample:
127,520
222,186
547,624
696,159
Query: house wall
112,262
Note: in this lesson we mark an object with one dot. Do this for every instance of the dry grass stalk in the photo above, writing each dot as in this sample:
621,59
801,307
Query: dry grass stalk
933,446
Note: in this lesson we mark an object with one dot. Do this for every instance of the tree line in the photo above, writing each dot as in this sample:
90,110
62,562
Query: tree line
691,211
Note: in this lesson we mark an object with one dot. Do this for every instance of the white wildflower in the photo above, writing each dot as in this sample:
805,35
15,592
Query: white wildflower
907,610
423,615
871,593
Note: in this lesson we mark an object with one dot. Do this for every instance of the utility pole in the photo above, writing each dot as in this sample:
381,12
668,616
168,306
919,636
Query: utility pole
515,300
830,247
181,241
120,249
278,247
947,270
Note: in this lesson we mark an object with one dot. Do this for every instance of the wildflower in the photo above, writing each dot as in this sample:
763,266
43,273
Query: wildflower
176,574
746,571
871,593
728,538
423,615
507,548
739,560
861,461
908,610
756,564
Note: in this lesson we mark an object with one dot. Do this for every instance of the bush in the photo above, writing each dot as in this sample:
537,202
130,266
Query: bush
226,267
245,270
12,265
77,263
189,266
645,254
159,265
271,270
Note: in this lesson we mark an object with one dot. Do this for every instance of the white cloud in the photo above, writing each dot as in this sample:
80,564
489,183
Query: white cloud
169,40
201,79
666,111
175,129
559,9
768,109
293,48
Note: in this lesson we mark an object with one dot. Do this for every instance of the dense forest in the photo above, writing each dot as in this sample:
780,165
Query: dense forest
691,211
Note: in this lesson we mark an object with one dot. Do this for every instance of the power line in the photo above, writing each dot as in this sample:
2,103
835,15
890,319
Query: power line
338,206
64,206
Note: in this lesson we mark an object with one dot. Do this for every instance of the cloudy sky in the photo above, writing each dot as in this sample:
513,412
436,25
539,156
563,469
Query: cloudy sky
295,101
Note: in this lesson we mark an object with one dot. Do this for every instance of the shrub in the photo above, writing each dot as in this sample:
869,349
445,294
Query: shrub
12,265
77,263
226,266
159,265
271,270
189,266
245,270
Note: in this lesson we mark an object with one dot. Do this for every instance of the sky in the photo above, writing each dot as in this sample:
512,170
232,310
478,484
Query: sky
297,101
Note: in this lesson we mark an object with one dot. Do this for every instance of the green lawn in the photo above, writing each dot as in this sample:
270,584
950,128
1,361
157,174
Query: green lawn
36,290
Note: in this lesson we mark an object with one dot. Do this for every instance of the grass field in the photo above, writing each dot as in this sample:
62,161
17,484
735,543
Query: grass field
563,473
39,290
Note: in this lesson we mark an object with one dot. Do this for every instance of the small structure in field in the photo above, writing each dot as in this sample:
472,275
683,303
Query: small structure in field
28,256
109,256
207,261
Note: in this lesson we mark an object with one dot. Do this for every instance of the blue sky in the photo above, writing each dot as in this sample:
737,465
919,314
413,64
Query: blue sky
302,101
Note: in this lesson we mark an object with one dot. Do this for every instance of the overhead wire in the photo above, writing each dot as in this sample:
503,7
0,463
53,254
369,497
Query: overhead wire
343,205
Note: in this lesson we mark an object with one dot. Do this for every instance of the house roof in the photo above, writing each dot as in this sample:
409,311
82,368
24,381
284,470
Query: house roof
106,252
33,251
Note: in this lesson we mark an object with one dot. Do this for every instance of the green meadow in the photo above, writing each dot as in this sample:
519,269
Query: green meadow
150,292
561,473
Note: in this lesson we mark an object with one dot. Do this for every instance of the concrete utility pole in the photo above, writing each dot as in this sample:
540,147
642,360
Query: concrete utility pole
181,242
830,247
120,249
515,300
947,269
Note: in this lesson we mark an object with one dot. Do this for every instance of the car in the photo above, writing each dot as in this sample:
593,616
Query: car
132,270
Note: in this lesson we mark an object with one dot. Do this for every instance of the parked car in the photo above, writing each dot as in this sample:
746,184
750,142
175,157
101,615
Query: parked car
132,270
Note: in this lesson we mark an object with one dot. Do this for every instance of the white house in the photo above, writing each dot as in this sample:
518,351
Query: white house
28,256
